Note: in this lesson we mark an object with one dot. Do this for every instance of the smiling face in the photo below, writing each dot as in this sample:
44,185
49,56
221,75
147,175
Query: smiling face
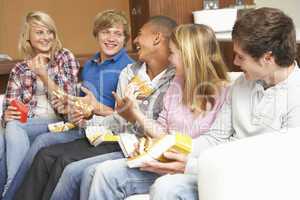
145,42
175,59
111,41
41,38
253,69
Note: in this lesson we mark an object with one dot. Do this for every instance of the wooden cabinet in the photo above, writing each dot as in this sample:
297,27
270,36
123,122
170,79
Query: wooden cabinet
179,10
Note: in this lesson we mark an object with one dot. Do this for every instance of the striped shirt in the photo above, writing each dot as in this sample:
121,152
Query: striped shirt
151,106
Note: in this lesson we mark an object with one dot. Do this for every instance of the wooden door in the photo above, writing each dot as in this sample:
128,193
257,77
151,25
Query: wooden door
179,10
139,14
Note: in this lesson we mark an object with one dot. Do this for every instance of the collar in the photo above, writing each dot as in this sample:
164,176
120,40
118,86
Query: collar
155,81
115,58
282,84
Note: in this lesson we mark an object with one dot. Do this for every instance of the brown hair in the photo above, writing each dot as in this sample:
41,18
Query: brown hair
108,19
267,30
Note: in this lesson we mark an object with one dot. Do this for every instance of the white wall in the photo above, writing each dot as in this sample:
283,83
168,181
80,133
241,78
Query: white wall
290,7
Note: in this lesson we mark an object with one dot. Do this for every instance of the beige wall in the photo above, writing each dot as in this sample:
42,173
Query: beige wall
290,7
74,20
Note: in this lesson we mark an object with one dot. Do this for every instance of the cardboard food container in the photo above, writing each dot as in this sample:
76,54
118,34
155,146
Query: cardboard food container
22,108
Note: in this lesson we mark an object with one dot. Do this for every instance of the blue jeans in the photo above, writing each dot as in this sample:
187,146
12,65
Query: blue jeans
18,137
2,161
41,141
177,186
69,185
114,180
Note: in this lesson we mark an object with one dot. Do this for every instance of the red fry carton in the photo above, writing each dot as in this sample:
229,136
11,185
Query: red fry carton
22,108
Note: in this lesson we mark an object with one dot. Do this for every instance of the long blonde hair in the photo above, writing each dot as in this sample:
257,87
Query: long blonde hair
40,18
204,68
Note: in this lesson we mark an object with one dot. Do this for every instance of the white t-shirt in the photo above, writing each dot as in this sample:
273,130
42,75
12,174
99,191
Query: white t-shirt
43,108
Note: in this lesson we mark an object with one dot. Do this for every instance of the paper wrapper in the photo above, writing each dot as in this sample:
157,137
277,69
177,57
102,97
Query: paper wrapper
154,150
99,134
86,108
60,127
140,87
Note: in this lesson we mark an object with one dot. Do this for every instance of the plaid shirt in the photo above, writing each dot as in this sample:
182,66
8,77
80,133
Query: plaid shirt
22,82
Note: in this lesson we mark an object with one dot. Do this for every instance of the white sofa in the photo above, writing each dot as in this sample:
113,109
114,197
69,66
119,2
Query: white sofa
265,167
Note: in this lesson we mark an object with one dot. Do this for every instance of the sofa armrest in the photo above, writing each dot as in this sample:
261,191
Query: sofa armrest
261,167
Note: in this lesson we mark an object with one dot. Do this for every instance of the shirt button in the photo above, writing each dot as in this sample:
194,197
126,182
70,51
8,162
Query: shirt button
145,102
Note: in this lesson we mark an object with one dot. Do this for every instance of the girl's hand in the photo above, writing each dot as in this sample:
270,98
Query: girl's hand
60,105
38,64
11,113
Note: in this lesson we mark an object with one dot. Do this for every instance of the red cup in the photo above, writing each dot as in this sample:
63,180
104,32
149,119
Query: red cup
22,108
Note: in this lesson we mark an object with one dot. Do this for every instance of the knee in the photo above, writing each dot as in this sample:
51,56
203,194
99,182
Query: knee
41,154
161,184
101,169
41,141
165,187
104,171
109,168
12,127
63,160
70,173
89,173
13,123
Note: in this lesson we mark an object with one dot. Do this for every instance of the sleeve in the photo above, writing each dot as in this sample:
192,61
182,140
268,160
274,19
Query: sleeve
293,118
171,100
71,69
124,78
15,90
220,132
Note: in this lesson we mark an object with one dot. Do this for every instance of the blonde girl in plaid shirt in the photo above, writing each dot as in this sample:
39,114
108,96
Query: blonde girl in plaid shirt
46,67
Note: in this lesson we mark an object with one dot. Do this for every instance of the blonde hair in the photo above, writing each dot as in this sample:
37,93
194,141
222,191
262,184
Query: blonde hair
108,19
43,19
204,68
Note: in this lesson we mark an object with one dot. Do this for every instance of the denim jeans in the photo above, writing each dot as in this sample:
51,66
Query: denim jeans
71,181
177,186
114,180
2,161
18,137
41,141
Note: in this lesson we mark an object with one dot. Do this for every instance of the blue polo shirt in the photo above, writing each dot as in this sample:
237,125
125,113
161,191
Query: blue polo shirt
102,78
